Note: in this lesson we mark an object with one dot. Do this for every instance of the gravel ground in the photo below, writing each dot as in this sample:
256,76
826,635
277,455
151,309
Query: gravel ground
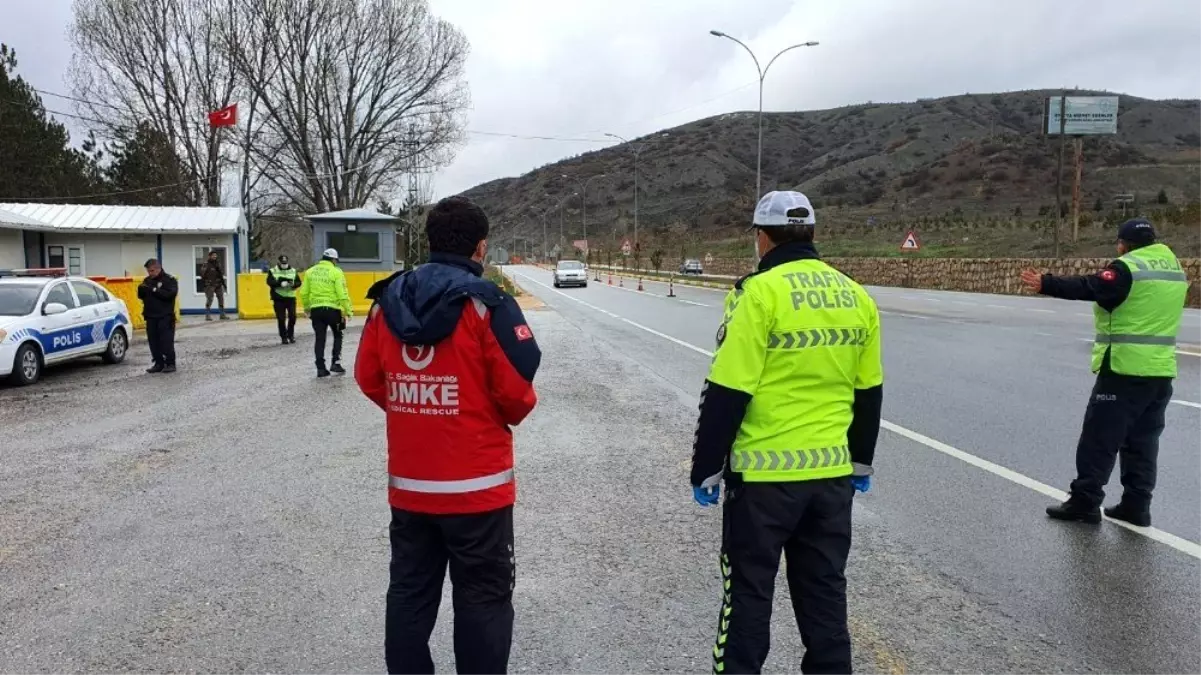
233,517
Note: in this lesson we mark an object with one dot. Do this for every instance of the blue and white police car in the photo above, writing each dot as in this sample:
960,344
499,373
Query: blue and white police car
47,317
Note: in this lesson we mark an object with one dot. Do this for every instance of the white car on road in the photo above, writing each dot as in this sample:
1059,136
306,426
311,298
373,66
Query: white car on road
571,273
48,318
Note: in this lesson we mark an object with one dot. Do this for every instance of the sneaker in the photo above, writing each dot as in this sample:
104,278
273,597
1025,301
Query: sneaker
322,372
224,317
156,368
291,340
208,317
1075,511
168,369
337,368
1130,514
283,340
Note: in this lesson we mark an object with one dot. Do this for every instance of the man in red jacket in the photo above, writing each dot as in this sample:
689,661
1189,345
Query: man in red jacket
449,358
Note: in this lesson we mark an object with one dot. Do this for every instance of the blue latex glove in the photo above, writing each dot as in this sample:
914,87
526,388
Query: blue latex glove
861,483
706,497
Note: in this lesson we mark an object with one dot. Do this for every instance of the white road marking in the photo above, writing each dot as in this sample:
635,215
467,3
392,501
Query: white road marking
1041,311
1188,403
1179,543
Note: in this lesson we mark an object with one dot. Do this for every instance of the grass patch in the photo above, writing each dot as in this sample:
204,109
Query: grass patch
492,273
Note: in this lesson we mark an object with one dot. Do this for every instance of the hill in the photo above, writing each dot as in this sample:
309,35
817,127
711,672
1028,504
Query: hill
975,156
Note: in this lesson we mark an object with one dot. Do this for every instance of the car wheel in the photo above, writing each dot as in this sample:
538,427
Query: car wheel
584,285
27,365
556,283
118,346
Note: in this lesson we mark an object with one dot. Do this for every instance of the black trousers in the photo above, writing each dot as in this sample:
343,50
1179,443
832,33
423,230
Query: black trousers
811,522
478,548
1125,416
323,318
285,316
160,334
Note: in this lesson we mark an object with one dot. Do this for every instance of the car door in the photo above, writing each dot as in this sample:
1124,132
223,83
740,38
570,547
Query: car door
60,334
97,315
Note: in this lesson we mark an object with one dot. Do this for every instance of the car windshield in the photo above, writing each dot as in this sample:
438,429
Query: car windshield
571,265
18,299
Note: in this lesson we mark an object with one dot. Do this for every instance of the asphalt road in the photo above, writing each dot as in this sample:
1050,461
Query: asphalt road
983,401
232,517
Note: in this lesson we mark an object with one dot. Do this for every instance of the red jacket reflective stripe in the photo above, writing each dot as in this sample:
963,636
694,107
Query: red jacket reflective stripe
449,406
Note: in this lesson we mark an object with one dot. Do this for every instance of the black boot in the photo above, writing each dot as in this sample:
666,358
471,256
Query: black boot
291,340
337,368
321,371
170,368
1130,513
1076,511
156,368
283,340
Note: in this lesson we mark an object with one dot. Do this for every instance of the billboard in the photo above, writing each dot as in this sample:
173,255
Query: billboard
1084,115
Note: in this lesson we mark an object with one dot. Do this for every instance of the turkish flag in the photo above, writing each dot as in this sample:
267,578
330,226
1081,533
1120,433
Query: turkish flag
225,117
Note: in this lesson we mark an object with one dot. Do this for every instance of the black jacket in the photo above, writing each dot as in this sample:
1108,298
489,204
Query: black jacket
158,296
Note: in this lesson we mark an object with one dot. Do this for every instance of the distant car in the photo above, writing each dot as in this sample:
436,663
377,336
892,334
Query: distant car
47,317
571,273
692,266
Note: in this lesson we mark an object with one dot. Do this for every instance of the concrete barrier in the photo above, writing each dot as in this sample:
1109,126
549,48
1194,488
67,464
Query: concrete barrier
254,296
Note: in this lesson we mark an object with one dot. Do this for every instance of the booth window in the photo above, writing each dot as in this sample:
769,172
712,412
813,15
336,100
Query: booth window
354,245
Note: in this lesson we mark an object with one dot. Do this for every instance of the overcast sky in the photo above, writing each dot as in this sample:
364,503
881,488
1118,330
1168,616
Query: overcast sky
579,68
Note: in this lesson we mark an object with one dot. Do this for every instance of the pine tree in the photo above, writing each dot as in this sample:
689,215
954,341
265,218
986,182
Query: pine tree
39,162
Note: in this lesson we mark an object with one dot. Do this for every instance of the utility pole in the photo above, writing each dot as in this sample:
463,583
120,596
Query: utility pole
1078,144
410,144
1063,104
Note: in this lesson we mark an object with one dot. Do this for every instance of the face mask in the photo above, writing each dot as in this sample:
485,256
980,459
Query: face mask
284,266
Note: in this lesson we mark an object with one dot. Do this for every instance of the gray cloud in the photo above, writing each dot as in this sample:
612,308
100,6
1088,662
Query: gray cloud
579,68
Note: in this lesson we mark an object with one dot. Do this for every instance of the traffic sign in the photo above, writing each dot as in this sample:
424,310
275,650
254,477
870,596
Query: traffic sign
910,243
625,247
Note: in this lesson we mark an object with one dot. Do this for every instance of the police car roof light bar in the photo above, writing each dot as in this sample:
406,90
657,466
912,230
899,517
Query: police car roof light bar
35,272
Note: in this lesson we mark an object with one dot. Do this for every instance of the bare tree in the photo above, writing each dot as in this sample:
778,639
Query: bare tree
157,62
351,95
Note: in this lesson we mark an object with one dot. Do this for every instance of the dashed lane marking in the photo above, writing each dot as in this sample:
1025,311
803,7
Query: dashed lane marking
1188,403
1179,543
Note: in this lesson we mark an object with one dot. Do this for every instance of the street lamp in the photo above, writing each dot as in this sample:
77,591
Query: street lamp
584,204
637,151
762,75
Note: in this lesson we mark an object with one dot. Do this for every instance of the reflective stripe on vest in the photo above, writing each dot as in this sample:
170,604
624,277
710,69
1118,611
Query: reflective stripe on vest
1136,340
451,487
789,460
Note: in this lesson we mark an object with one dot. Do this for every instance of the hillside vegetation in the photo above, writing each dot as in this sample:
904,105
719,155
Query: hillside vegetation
950,165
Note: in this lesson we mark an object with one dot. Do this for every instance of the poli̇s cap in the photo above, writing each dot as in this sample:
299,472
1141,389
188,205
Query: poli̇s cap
283,260
1137,231
783,207
330,253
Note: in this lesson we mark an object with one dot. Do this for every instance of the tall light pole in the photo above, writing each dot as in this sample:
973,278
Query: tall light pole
637,151
584,204
762,75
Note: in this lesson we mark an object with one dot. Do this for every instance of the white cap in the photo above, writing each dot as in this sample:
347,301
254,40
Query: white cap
784,207
330,253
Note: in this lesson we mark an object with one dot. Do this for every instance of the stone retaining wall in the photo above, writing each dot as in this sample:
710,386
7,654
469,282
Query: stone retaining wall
976,275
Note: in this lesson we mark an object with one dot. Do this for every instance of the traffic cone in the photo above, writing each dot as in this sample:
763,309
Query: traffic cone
640,283
671,286
620,282
610,278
